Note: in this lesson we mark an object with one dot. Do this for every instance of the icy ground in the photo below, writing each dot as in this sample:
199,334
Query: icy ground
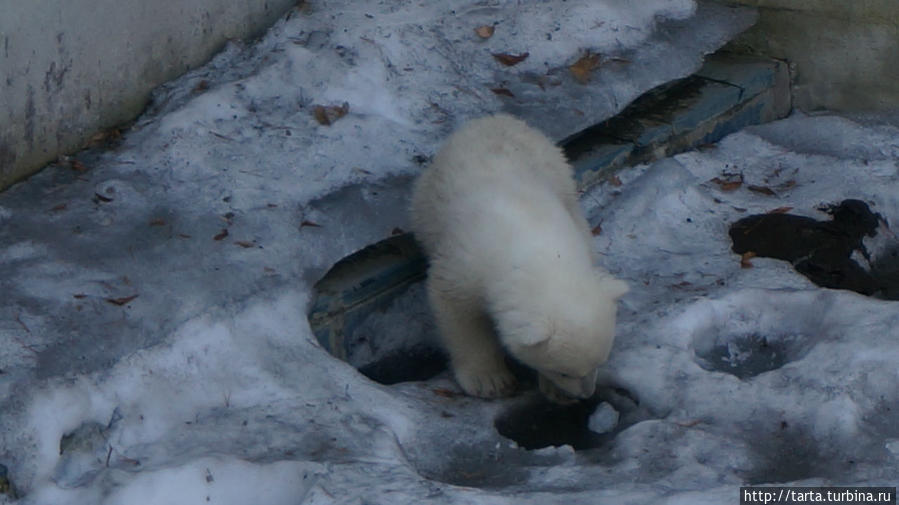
154,346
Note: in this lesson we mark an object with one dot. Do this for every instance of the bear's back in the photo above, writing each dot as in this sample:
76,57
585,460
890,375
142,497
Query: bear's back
494,156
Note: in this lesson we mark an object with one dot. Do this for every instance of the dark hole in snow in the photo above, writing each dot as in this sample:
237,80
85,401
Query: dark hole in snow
536,423
824,251
539,424
746,356
414,364
371,311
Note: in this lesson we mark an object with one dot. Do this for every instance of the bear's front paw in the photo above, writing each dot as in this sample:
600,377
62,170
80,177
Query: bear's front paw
486,383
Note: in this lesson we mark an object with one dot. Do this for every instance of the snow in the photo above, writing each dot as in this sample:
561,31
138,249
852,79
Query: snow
148,357
603,419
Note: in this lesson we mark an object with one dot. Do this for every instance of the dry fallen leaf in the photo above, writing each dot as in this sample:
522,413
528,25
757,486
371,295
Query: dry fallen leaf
79,296
328,114
596,230
510,59
780,210
744,260
446,393
245,244
306,222
121,301
583,68
201,86
503,92
78,166
765,190
728,185
485,32
104,136
221,235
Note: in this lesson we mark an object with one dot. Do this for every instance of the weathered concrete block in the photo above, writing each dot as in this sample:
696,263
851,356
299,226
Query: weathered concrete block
69,69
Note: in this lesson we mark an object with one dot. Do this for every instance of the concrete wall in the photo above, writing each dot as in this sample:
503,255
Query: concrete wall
70,68
844,54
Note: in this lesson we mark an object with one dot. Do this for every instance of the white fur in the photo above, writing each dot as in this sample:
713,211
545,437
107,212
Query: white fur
511,257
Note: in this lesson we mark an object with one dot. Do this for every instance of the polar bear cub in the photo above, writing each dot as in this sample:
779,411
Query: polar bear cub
512,262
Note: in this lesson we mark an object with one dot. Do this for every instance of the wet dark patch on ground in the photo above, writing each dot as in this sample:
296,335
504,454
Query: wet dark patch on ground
821,250
791,454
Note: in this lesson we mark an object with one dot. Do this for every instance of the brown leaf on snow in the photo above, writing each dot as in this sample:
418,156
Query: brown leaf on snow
121,301
221,235
510,59
503,92
245,244
744,260
446,393
78,166
728,185
596,230
307,222
780,210
765,190
201,86
485,32
79,296
327,114
105,136
583,68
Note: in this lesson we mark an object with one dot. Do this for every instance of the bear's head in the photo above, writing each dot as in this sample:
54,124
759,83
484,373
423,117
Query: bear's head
565,333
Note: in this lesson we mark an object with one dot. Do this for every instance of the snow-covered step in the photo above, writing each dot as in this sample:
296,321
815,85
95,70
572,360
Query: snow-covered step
728,93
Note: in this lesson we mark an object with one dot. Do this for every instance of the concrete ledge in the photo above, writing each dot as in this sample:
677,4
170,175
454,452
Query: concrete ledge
69,69
727,94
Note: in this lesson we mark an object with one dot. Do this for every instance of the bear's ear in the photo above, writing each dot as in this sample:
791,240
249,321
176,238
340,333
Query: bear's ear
536,333
532,338
614,288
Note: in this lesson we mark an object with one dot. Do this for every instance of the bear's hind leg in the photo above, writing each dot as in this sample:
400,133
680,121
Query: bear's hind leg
476,356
